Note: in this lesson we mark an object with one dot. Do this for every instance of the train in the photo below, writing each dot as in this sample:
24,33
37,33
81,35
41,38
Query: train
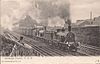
64,40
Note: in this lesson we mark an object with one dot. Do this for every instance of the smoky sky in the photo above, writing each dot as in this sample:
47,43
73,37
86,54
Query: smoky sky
14,10
50,9
80,9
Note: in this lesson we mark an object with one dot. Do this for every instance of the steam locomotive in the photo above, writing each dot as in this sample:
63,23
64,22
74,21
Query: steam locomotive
61,39
68,42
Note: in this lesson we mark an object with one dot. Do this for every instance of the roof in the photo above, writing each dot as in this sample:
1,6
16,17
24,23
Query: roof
27,22
90,25
80,22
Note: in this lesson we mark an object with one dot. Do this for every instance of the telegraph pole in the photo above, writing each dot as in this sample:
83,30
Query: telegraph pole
91,17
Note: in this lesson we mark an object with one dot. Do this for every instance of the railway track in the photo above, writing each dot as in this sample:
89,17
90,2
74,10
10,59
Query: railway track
69,53
40,51
37,51
53,52
91,50
45,51
58,52
61,52
84,50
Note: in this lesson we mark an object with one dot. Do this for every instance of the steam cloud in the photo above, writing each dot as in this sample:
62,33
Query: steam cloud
14,10
51,9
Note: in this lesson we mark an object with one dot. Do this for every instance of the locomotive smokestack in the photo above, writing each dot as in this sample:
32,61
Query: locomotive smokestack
69,25
68,22
69,28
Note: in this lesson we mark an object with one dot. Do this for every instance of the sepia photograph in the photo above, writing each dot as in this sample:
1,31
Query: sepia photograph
51,28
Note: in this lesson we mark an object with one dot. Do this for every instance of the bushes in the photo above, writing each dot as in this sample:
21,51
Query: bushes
88,35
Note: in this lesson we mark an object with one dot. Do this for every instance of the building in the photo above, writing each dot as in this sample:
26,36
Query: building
81,23
26,25
92,22
96,21
27,22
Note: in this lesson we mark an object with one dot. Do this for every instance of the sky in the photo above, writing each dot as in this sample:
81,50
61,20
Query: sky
80,9
13,10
